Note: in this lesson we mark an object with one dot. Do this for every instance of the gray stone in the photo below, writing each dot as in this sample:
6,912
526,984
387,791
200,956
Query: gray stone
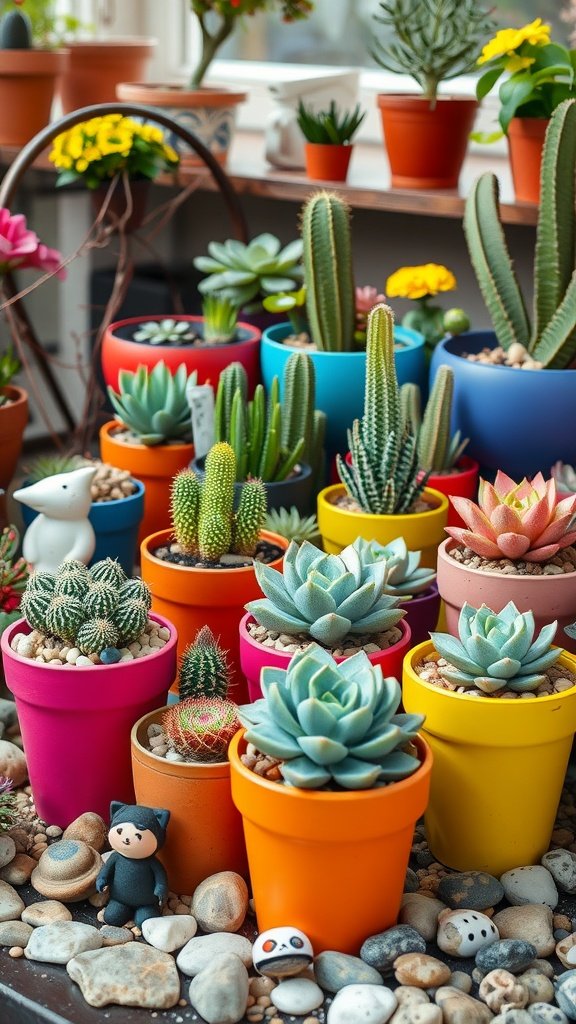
380,951
8,714
57,943
470,890
13,762
544,1013
513,955
14,933
7,850
169,933
411,882
129,975
200,951
112,936
530,885
562,866
513,1017
566,993
334,970
219,993
11,906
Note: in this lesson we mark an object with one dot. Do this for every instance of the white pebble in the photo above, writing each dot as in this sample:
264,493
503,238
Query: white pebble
73,655
16,640
144,651
164,633
127,657
82,660
134,647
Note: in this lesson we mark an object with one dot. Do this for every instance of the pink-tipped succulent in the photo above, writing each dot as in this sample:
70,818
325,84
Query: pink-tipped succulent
514,521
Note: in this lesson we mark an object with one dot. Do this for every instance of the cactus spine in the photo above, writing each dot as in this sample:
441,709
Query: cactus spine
96,634
216,503
328,272
249,517
204,670
185,508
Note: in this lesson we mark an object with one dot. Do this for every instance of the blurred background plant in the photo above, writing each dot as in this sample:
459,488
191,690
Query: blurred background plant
14,573
420,284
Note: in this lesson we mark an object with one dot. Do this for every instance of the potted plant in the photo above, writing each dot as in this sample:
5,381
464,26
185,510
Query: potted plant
516,545
433,41
340,601
180,762
28,78
292,525
152,435
520,436
320,815
412,584
206,574
14,574
500,706
86,660
420,284
208,111
540,76
328,135
383,493
331,313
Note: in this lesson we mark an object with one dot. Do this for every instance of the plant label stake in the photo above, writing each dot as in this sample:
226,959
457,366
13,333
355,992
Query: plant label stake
200,398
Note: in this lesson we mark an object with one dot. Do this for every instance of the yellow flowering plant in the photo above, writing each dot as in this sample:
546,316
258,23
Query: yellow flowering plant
420,284
96,150
540,74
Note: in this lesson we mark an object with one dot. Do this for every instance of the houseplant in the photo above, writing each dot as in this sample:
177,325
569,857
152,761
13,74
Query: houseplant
383,495
434,41
340,601
327,824
520,436
289,523
495,746
328,135
207,577
420,284
28,79
209,111
412,584
152,435
541,76
89,687
13,416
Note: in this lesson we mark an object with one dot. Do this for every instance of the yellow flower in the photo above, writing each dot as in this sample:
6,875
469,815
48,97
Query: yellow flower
517,63
81,165
417,282
170,153
113,140
92,153
508,40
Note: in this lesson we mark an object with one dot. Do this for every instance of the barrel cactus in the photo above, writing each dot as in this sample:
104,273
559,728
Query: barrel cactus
404,576
204,670
332,724
497,651
201,728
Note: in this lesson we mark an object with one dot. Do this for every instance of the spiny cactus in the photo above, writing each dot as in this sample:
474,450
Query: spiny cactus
201,728
136,589
552,338
438,450
497,651
96,634
216,503
332,723
153,403
185,509
328,272
249,517
63,617
384,476
404,576
129,619
204,670
101,599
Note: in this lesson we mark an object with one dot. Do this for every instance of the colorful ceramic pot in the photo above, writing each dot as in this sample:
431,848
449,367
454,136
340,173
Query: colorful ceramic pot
327,162
426,143
422,614
13,420
296,490
463,484
525,144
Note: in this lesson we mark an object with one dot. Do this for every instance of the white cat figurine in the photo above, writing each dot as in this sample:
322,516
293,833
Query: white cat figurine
62,529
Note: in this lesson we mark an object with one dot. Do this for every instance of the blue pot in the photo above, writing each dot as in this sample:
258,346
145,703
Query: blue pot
115,525
340,376
520,421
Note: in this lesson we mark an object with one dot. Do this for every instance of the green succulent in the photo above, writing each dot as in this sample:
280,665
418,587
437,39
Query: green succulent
153,404
220,319
204,669
289,523
497,651
404,576
565,476
438,449
157,332
49,465
247,273
331,723
326,596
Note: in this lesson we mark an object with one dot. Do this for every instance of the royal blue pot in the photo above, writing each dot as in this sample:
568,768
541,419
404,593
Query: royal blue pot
115,524
340,376
520,421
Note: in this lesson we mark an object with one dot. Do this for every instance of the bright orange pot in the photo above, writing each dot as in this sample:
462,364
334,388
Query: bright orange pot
95,68
327,162
200,597
205,832
332,864
13,420
153,465
525,142
426,145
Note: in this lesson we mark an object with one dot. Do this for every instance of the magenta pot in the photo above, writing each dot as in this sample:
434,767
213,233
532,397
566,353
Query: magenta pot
422,613
76,723
547,597
254,656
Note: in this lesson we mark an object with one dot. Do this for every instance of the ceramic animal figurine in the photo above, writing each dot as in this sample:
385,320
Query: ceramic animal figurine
282,952
62,530
132,874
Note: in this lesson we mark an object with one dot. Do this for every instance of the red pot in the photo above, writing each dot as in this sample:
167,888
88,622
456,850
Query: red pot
463,485
426,145
326,162
525,142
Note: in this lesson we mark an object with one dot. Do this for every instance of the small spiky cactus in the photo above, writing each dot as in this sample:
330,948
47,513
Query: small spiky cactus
216,503
96,634
101,599
328,272
185,509
129,619
34,607
411,406
108,571
201,728
64,616
204,670
249,517
232,379
136,589
41,583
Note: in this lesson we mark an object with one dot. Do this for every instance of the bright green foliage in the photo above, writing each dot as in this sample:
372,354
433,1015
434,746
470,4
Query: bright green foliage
438,450
552,338
245,274
293,304
129,618
332,723
232,379
328,597
329,127
204,670
216,503
96,634
185,508
497,651
153,404
404,576
201,728
220,319
49,465
289,523
249,517
328,272
384,476
158,332
300,417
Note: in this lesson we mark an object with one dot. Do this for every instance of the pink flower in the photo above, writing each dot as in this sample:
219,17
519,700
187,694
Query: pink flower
21,248
367,297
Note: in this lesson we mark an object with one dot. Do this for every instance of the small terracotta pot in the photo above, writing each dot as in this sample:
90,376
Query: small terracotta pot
464,484
205,831
13,420
27,83
95,68
326,162
426,145
525,143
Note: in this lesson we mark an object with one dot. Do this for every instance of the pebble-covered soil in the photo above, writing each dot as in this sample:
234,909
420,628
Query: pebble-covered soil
562,563
290,643
558,679
53,651
517,356
265,552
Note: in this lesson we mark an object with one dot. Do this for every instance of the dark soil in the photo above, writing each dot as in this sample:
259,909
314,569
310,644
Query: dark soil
265,552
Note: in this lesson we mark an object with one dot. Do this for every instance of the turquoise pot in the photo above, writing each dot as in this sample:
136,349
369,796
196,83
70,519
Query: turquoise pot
340,376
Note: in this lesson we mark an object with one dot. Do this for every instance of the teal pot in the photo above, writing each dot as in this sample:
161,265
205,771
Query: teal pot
297,490
519,421
115,524
340,376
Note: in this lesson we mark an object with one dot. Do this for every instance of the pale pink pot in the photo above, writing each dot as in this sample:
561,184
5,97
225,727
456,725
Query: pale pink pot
76,724
254,656
548,597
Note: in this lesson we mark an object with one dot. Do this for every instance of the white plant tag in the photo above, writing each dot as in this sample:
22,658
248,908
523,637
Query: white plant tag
200,398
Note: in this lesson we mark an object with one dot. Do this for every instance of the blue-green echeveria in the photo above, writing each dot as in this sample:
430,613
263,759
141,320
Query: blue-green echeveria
404,576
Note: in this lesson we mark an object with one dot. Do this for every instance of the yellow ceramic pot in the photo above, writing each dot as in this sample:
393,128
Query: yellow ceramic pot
422,531
499,768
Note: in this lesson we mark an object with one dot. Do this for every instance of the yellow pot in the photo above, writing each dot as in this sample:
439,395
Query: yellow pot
422,531
499,768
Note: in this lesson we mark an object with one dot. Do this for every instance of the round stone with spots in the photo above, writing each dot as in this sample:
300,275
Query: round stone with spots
474,890
67,870
463,932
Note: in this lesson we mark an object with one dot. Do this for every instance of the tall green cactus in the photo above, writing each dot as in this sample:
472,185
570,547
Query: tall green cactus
328,272
438,450
552,339
216,503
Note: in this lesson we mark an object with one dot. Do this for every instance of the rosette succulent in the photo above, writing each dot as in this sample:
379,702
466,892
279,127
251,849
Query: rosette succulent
153,403
157,332
565,477
404,576
514,521
326,596
497,651
332,723
247,273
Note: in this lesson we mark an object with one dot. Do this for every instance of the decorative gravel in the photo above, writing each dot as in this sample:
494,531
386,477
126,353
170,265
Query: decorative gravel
52,651
563,562
348,504
517,357
558,680
290,643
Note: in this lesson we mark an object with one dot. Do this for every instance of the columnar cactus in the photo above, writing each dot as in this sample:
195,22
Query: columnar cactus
204,670
216,503
438,450
201,728
328,272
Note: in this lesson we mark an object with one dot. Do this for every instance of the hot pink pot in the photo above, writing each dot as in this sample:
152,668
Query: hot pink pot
76,724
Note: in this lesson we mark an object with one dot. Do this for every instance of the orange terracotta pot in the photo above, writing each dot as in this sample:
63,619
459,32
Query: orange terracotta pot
327,162
525,142
13,420
332,864
205,831
153,465
95,68
426,145
28,81
199,597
